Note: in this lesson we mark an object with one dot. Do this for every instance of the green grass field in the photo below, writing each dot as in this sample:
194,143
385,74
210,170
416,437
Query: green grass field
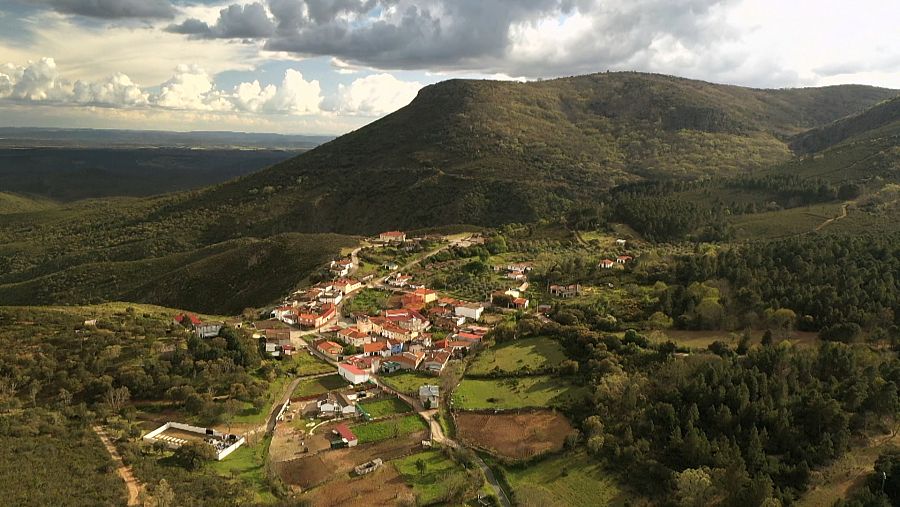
784,223
308,364
528,354
385,407
429,485
512,393
320,385
392,428
408,382
247,464
573,480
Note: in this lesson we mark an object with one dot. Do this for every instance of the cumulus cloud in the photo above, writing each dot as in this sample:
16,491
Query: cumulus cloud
235,22
118,90
37,81
112,9
191,88
376,95
294,96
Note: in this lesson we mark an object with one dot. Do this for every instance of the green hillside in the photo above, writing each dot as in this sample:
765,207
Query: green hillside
14,203
463,152
883,120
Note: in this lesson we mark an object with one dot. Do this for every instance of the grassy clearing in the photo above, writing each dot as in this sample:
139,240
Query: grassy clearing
308,364
512,393
573,480
392,428
430,484
527,354
835,481
407,381
789,222
247,464
385,407
319,385
703,339
369,301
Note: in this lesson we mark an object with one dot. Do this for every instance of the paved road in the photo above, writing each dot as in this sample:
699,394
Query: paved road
131,484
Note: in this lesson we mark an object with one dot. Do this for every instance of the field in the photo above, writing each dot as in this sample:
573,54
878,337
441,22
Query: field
835,481
369,301
384,486
308,364
407,382
431,485
789,222
571,480
320,385
527,354
702,339
385,407
512,393
391,428
313,470
248,465
514,436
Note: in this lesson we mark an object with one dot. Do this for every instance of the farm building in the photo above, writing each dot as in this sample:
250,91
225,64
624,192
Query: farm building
352,374
343,437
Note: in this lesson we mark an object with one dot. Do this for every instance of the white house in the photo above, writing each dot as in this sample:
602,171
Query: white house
352,374
469,310
336,405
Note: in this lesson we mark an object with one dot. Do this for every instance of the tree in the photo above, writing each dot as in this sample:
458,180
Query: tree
116,398
163,496
783,320
421,466
193,454
693,487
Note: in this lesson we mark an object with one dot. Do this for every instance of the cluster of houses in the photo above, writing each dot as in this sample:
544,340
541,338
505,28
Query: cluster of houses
400,339
618,263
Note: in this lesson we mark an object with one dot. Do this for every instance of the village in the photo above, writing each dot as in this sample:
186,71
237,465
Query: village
381,359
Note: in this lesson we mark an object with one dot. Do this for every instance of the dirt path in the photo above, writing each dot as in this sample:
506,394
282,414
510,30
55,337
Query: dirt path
438,436
131,484
834,219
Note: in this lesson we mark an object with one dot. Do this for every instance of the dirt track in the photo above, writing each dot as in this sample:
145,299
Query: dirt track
131,484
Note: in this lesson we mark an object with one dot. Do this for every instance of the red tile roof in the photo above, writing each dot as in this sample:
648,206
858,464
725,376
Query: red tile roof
344,432
352,369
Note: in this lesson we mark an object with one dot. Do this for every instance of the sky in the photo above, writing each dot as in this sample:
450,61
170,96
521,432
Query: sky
331,66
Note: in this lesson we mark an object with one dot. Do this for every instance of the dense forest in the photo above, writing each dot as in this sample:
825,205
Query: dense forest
743,427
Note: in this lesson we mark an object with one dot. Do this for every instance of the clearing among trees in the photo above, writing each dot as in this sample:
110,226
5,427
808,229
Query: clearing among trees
514,435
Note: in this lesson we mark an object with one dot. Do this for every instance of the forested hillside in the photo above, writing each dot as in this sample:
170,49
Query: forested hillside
463,152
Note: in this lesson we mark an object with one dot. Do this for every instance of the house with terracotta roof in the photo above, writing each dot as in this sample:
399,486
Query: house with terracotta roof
343,437
467,337
200,328
622,259
329,348
607,264
365,363
520,303
352,336
392,236
377,348
317,319
399,280
352,373
341,267
347,285
407,360
435,361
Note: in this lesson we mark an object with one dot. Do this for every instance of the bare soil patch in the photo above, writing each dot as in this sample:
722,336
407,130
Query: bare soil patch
514,435
311,471
382,487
